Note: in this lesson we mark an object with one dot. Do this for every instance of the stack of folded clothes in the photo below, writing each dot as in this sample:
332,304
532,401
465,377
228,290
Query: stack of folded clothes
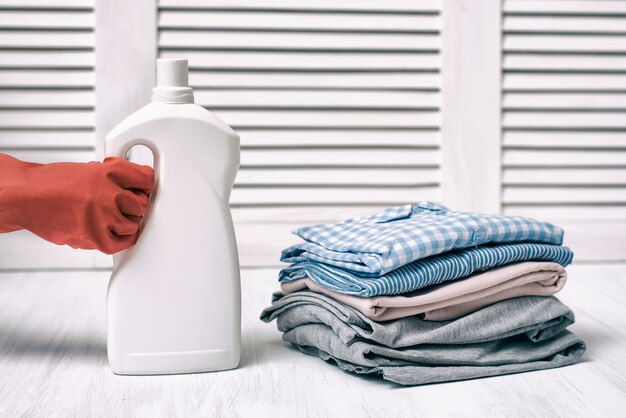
423,294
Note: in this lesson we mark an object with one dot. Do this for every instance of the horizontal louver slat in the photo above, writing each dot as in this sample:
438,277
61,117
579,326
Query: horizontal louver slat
46,99
563,63
47,138
570,25
330,119
566,7
296,196
558,43
47,40
42,20
60,80
390,6
565,82
53,156
556,158
215,99
74,5
340,138
295,41
297,22
370,176
565,120
571,176
46,59
16,119
343,157
551,195
307,61
564,140
580,212
327,80
568,101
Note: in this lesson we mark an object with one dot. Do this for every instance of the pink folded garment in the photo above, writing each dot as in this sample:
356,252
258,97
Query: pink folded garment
454,299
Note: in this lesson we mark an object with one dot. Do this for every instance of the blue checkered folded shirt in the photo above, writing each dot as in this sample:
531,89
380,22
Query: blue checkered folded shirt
375,245
422,273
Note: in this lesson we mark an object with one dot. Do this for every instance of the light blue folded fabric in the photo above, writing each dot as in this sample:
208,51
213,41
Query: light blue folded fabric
426,272
375,245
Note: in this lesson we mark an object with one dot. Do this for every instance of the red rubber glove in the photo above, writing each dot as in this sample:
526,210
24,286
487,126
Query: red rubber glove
84,205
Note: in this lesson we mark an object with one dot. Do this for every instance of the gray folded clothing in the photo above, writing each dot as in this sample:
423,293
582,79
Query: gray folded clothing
512,336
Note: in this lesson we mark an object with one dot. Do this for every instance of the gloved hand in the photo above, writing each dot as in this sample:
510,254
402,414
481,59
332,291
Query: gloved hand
85,205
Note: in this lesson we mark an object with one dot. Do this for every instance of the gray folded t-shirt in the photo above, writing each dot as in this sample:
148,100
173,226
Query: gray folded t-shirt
515,335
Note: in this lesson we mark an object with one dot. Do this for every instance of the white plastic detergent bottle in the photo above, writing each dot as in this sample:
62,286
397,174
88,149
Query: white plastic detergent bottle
173,302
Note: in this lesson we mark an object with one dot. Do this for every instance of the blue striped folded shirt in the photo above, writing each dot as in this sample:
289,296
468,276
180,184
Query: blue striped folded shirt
375,245
421,273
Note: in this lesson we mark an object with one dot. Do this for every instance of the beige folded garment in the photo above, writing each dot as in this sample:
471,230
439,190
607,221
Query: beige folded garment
457,298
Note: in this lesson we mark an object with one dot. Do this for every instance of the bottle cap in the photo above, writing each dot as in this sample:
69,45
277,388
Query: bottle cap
172,86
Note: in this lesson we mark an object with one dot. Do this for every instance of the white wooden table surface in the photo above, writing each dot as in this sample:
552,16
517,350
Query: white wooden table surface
53,363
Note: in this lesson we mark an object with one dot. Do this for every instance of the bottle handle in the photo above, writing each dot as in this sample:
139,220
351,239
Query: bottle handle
120,149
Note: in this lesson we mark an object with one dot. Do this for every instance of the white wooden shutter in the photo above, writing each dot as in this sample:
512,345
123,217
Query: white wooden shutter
564,120
46,103
336,102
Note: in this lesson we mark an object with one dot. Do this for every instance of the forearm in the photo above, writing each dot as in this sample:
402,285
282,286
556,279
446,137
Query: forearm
84,205
13,174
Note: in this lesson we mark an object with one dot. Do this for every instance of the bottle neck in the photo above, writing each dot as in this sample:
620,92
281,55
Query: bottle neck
173,95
